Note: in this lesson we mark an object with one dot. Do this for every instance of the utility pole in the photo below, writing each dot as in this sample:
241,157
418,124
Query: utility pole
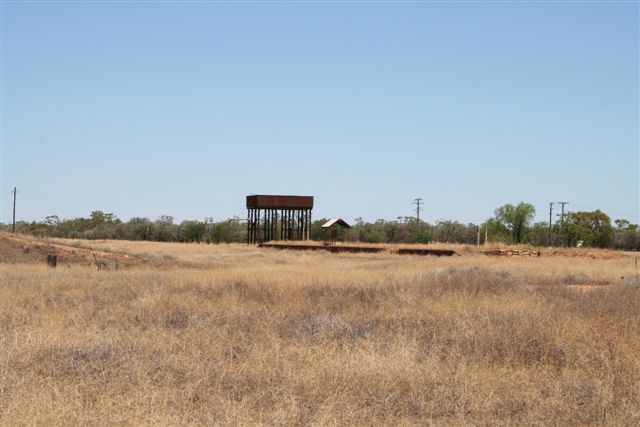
486,233
417,201
550,219
562,220
13,227
562,214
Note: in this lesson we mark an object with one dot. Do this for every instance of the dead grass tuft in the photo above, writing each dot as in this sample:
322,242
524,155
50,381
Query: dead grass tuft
278,338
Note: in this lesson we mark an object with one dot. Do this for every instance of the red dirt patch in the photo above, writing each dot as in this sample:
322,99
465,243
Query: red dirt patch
16,249
585,289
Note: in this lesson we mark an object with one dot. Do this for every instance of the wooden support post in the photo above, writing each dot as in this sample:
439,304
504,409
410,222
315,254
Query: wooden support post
253,226
299,225
265,233
282,224
300,215
248,225
304,224
288,232
52,260
265,226
257,214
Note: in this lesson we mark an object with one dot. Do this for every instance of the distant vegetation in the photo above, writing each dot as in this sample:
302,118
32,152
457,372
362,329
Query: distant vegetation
511,224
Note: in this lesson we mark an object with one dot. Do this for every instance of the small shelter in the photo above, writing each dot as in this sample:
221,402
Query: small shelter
333,224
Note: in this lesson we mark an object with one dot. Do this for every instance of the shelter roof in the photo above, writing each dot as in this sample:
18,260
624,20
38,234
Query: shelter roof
336,221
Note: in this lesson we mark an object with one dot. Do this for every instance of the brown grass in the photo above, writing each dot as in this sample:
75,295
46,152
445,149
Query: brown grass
267,337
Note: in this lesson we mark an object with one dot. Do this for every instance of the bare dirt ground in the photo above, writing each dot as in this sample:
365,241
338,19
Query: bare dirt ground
27,249
24,249
493,249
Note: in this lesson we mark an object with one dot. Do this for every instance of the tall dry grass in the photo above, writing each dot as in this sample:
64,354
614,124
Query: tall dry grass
278,338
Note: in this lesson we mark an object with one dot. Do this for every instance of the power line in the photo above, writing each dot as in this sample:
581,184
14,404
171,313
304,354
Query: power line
562,214
417,201
562,223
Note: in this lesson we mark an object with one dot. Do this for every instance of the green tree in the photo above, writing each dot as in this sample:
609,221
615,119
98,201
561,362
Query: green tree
373,236
193,231
593,228
419,232
517,219
497,231
624,225
52,222
140,229
539,234
165,229
220,232
319,233
626,235
39,229
454,232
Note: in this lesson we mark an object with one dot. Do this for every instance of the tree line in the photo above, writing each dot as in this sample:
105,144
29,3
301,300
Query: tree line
511,224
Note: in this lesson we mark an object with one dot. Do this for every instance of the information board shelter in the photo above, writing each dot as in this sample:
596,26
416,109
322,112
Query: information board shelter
333,225
273,217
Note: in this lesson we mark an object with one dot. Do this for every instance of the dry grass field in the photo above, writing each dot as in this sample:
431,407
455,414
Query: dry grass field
190,334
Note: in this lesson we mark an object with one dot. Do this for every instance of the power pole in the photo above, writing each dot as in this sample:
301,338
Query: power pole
562,214
417,201
13,227
550,213
486,233
562,220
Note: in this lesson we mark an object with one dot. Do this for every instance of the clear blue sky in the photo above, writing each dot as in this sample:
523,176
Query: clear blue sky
144,109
